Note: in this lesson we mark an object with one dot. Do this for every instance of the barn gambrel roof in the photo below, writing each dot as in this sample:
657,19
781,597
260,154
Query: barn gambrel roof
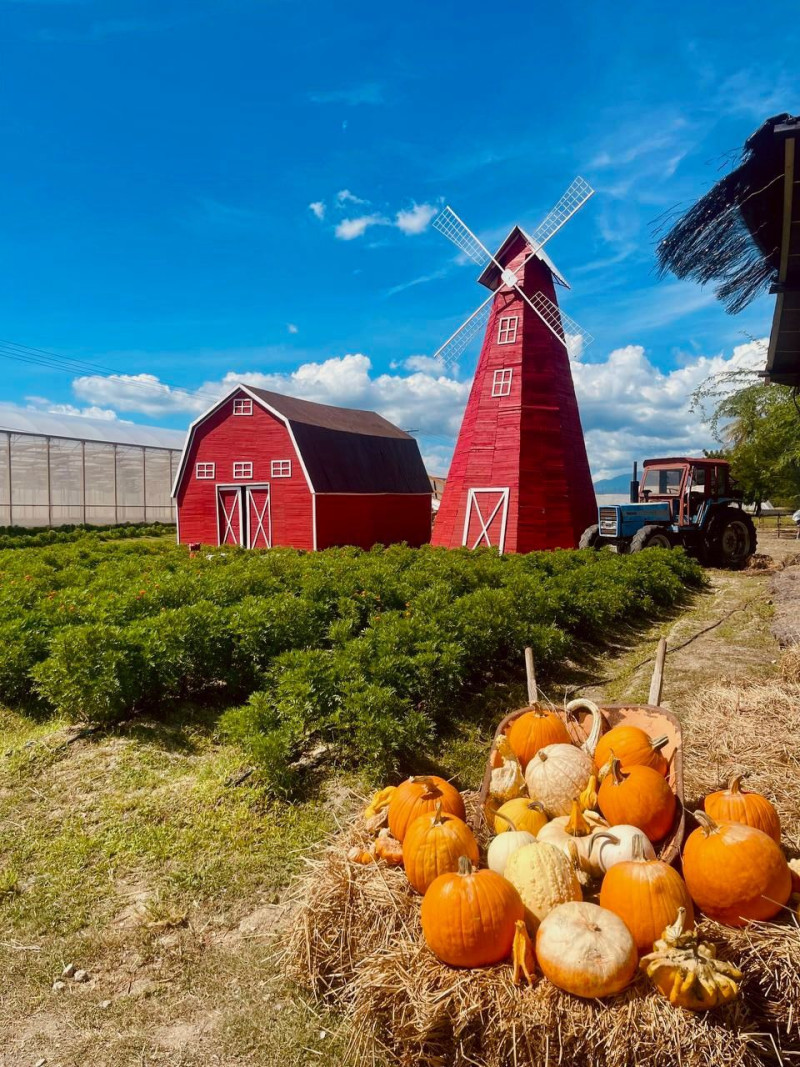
342,450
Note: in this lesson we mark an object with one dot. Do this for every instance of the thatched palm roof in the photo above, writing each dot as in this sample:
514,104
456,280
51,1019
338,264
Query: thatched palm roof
744,236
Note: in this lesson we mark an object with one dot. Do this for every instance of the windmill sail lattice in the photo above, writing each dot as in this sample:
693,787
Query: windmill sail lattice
519,479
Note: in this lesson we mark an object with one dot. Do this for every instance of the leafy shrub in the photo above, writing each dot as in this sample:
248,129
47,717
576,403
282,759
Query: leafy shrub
360,655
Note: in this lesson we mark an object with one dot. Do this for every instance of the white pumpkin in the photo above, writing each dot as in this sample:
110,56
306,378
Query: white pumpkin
556,776
586,950
574,835
615,845
502,847
544,877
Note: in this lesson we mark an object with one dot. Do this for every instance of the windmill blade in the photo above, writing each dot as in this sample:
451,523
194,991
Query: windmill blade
462,236
455,344
557,321
572,200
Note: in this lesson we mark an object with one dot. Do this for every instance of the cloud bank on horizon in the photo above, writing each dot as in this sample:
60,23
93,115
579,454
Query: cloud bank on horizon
630,408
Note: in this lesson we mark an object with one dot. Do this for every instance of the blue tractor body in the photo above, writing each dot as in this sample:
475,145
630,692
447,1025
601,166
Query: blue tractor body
686,502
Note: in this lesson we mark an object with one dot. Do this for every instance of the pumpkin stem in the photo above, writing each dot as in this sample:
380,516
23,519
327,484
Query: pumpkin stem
616,770
707,824
659,743
601,835
735,784
541,754
577,825
505,818
637,849
438,818
430,785
464,866
676,929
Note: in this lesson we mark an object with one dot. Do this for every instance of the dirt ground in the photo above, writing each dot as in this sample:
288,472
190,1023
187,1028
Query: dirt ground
176,937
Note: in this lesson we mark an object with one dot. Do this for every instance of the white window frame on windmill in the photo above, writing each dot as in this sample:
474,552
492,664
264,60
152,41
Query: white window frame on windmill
507,329
501,381
473,502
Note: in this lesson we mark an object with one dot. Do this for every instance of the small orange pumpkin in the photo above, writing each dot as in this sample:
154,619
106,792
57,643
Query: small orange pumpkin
633,748
418,796
641,797
388,849
646,894
433,845
533,730
734,805
469,918
734,872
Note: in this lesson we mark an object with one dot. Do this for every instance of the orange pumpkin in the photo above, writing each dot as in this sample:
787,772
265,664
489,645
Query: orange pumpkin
534,730
735,873
646,894
641,797
419,796
388,849
469,918
633,748
433,845
732,805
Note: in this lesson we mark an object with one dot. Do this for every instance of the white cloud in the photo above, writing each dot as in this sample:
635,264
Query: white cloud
41,403
138,392
317,207
416,219
344,196
348,229
292,327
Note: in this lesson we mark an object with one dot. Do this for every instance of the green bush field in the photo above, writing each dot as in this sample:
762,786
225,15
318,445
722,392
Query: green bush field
359,657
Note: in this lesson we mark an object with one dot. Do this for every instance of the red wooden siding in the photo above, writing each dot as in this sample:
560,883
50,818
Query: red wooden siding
225,438
529,442
367,520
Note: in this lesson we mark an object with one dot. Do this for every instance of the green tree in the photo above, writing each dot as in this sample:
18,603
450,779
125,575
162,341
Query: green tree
759,428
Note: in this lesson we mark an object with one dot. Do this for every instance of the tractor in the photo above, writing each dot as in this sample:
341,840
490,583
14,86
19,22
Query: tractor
680,501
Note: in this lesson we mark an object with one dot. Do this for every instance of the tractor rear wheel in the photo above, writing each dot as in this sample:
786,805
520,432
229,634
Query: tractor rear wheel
590,537
650,537
731,538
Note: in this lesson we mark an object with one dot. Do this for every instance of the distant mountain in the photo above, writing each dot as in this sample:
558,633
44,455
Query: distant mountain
620,483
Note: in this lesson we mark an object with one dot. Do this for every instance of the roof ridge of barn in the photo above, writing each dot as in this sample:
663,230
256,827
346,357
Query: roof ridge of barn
327,416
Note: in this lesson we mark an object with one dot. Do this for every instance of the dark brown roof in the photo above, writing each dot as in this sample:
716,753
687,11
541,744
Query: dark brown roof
511,247
346,450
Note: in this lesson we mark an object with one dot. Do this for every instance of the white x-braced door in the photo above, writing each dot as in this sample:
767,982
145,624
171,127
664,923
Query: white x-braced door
259,517
485,520
229,515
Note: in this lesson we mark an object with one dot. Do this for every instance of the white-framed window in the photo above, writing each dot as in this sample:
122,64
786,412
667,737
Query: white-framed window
205,470
501,382
507,329
281,468
242,469
243,407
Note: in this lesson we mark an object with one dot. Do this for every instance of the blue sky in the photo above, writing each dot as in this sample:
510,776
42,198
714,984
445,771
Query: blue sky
160,160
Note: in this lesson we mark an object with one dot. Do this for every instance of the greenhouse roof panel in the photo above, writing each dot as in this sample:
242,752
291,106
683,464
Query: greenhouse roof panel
78,428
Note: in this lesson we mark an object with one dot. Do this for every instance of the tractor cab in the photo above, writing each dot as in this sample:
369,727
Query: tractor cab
687,486
679,501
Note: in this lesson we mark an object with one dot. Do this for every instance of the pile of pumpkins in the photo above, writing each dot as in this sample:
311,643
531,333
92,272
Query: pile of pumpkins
574,822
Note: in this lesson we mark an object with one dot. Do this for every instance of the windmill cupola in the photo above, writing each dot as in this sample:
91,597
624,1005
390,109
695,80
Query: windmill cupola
511,255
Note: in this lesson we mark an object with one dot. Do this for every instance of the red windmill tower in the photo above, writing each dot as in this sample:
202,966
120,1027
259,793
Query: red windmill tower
519,478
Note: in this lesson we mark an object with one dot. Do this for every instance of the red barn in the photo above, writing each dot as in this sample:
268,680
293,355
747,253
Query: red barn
261,469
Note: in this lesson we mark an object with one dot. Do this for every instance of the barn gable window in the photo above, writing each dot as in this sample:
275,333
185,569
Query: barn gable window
243,407
507,330
281,468
242,470
205,470
501,383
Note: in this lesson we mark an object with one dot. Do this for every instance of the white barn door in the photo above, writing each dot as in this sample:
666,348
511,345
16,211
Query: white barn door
485,520
259,517
229,515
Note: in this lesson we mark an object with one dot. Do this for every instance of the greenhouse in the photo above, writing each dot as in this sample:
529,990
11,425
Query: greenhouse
58,469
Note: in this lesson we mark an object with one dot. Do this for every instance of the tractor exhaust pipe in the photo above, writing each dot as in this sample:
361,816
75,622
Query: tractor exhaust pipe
634,490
